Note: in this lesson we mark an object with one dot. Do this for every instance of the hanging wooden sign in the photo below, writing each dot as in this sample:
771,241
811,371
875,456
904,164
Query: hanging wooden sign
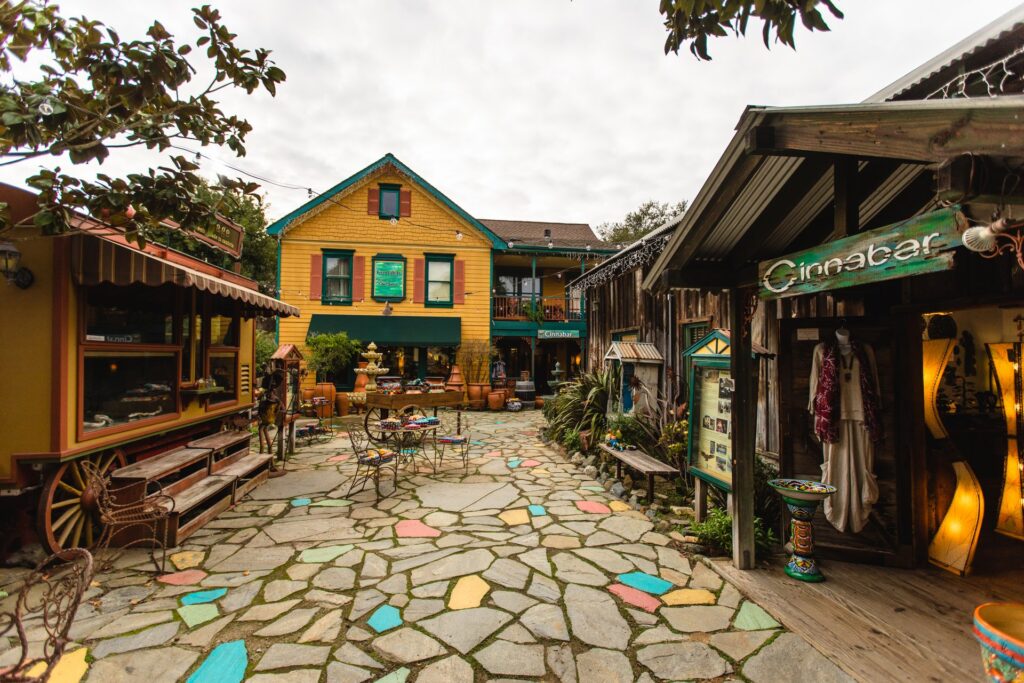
919,245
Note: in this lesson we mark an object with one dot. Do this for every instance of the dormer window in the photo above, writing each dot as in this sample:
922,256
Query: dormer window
390,201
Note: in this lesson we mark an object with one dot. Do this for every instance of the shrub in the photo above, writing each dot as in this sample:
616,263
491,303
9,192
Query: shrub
330,353
474,358
638,431
580,404
571,440
265,347
716,533
767,503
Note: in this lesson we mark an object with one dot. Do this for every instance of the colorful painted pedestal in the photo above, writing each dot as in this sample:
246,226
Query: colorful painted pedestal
999,628
802,497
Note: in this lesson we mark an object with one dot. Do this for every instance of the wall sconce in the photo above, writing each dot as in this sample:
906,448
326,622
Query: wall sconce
1005,359
953,545
996,238
11,268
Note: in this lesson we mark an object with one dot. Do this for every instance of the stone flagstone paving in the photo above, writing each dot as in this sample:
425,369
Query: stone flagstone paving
524,571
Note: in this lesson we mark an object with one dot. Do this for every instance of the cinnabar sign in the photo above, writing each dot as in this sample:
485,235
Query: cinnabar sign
919,245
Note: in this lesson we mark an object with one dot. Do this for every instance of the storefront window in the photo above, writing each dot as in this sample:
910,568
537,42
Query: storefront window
439,361
224,371
124,387
129,315
401,361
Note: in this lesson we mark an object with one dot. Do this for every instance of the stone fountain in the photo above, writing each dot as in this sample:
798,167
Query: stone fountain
372,370
559,374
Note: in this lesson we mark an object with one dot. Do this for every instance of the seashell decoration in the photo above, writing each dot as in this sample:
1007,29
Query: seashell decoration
981,238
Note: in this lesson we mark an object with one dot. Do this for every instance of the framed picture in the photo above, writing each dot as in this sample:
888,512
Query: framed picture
711,392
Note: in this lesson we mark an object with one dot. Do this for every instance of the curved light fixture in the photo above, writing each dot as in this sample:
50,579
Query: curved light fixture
1006,361
952,548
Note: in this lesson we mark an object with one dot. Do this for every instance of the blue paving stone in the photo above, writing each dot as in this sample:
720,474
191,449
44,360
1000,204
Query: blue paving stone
199,597
537,510
226,664
514,462
643,581
385,618
300,502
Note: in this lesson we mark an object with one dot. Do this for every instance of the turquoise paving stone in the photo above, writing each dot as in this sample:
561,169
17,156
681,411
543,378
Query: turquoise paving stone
300,502
751,617
477,443
514,462
328,554
643,581
537,510
226,664
396,676
199,597
193,615
385,618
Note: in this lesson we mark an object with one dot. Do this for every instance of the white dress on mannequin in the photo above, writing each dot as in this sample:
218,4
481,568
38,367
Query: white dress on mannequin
849,462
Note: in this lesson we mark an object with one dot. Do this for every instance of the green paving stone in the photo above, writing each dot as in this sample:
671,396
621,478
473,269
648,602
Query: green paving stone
331,503
200,597
331,552
594,489
752,618
226,664
397,676
193,615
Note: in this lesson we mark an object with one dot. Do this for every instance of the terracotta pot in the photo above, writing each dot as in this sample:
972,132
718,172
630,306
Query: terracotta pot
341,403
477,391
496,400
327,390
538,402
308,394
455,380
361,379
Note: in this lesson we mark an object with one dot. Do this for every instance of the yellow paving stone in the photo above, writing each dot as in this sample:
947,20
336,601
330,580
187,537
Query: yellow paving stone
468,592
560,542
70,669
515,517
689,596
619,506
539,470
187,559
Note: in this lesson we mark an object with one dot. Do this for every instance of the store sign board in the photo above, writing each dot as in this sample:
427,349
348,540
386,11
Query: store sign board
223,235
923,244
388,279
558,334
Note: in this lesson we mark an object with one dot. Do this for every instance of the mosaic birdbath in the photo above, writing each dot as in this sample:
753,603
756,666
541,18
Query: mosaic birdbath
802,497
999,628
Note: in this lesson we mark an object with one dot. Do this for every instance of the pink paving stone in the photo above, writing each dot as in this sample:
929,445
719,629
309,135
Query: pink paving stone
339,458
493,454
529,463
636,598
414,528
185,578
593,506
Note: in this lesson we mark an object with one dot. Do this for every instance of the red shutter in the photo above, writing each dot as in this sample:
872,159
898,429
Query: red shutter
405,203
419,274
316,274
358,278
459,282
373,202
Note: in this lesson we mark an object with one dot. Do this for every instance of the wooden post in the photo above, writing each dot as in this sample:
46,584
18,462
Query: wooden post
700,500
744,429
847,196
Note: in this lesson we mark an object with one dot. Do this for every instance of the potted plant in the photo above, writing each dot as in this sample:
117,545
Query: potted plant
474,358
330,354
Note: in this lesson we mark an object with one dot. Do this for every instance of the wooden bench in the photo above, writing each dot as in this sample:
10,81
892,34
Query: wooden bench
198,504
248,473
641,462
225,447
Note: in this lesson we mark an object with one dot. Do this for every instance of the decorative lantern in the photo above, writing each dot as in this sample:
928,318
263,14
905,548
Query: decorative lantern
1006,358
11,268
952,548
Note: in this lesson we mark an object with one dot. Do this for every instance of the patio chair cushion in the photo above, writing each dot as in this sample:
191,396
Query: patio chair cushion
457,439
377,457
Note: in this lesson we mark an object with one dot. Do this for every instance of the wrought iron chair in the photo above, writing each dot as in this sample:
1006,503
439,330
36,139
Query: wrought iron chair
453,437
369,463
50,596
137,521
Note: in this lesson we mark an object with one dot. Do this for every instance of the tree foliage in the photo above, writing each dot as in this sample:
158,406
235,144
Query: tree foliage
693,21
330,354
637,223
89,92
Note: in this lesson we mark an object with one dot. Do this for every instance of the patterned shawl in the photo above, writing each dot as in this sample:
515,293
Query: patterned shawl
826,398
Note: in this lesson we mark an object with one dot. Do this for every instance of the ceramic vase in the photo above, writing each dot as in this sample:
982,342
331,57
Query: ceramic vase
999,628
361,378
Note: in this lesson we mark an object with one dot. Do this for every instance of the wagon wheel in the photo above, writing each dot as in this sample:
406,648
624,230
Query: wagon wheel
373,416
67,515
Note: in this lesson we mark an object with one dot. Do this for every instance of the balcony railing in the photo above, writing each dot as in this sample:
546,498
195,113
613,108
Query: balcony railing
541,309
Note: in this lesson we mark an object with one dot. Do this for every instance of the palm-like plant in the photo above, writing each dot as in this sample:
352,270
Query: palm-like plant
580,405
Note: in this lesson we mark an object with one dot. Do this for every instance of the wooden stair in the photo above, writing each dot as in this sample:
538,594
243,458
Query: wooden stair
205,477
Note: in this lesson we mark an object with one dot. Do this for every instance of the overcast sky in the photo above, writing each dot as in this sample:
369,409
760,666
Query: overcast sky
526,109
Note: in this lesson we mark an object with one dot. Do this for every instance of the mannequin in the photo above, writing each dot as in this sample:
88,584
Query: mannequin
844,404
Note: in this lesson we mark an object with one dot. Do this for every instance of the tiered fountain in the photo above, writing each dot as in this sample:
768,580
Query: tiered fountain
372,370
555,384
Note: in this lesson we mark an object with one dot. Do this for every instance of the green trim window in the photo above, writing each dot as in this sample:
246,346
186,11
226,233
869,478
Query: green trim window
388,277
440,277
390,202
337,277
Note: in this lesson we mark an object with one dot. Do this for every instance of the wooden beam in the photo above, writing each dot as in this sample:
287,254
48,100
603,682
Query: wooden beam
847,196
744,429
711,277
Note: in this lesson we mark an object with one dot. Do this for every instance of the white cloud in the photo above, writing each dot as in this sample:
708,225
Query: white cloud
528,109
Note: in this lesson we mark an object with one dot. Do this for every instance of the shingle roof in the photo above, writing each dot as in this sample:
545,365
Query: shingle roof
531,233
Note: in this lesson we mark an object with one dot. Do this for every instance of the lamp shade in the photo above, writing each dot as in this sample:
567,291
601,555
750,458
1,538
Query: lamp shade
1006,362
935,355
952,548
10,259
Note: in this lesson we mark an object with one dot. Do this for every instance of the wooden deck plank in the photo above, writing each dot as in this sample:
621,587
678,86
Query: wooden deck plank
244,466
161,465
221,440
200,491
881,623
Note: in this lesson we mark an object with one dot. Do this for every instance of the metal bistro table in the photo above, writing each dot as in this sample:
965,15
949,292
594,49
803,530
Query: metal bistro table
408,443
380,406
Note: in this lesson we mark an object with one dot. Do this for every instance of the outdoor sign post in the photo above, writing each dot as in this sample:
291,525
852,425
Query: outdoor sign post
711,415
919,245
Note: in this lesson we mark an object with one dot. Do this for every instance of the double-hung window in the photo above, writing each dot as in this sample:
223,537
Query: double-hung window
390,201
440,275
337,280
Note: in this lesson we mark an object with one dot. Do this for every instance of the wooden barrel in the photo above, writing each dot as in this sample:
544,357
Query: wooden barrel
526,391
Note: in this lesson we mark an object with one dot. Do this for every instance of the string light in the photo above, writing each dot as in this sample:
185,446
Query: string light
994,76
458,235
636,256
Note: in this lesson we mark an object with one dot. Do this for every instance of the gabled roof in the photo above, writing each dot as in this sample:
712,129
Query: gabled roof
531,233
281,225
633,352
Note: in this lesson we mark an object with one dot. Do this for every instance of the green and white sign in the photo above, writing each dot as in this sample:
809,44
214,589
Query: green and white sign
558,334
919,245
388,279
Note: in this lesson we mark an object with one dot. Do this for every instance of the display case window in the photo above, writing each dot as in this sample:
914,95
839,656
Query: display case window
224,371
129,315
121,388
223,330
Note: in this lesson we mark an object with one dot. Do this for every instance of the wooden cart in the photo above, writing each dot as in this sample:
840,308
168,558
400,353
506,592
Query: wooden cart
379,406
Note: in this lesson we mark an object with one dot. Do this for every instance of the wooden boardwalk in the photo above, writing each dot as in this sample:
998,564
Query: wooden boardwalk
883,624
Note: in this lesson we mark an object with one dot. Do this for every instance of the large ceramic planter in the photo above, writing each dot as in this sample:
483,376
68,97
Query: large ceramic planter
361,379
455,380
476,394
802,497
496,400
999,628
341,403
328,391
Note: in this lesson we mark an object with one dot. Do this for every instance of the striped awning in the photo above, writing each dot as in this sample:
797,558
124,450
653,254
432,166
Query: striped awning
96,260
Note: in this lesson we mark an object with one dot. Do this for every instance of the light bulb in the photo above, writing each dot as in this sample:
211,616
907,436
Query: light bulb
458,235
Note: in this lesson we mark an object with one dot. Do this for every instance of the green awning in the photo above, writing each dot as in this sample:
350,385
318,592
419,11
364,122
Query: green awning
394,330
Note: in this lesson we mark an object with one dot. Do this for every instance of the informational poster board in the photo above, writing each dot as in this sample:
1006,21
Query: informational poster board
388,278
712,389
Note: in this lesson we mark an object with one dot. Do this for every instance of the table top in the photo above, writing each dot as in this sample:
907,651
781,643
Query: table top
408,430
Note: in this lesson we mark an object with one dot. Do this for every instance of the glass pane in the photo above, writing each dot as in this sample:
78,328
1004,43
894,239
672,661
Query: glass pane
186,347
439,291
339,288
439,361
439,271
338,266
223,331
120,388
224,371
389,203
130,315
345,288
